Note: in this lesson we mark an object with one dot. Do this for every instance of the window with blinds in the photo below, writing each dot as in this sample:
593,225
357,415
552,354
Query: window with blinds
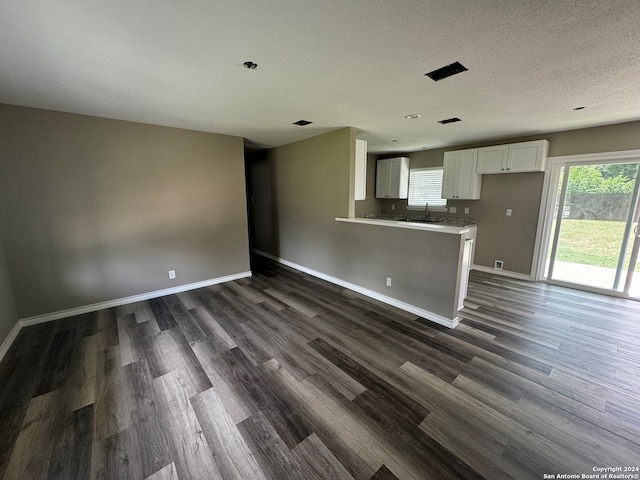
425,185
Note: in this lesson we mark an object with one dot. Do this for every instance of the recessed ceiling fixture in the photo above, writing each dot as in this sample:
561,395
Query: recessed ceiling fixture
579,108
447,71
250,65
302,123
412,116
449,120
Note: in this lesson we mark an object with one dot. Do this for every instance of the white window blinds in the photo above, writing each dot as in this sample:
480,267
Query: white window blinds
425,185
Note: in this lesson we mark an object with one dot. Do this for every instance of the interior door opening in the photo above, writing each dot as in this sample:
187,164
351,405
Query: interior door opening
593,228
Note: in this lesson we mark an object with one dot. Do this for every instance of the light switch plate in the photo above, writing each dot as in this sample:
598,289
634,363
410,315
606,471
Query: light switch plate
466,210
453,209
509,212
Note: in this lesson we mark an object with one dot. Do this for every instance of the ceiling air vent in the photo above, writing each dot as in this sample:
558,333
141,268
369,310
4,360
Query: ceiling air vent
302,123
447,71
449,120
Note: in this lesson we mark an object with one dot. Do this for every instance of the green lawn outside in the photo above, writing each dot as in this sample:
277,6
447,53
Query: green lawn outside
592,242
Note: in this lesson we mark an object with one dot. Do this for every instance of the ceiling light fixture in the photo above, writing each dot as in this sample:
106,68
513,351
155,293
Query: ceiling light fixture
302,123
250,65
412,116
447,71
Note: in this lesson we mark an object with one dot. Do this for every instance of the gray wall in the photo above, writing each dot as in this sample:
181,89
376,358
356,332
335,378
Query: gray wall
309,187
8,312
299,189
512,239
93,209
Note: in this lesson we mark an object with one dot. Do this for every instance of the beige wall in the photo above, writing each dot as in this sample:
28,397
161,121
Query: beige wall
8,312
299,189
309,187
93,209
512,239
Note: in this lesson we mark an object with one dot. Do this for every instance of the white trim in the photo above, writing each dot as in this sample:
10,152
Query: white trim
545,219
504,273
446,322
4,348
47,317
596,157
547,200
589,289
540,245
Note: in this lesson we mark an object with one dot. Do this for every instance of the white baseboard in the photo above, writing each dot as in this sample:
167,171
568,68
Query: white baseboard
48,317
365,291
504,273
6,344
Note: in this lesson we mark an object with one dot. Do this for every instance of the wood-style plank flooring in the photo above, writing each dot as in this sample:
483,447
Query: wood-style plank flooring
284,376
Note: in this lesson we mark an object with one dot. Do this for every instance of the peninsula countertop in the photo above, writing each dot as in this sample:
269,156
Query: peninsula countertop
441,227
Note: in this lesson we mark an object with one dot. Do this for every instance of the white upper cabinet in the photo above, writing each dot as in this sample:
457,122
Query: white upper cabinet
460,180
493,159
513,158
528,156
392,178
360,181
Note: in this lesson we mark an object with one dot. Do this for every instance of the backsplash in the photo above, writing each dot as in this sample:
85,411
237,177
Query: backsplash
448,221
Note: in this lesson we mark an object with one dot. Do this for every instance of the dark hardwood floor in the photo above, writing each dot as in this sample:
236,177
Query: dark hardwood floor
284,376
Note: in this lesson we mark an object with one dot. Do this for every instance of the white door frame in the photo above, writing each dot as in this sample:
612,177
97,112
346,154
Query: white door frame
547,201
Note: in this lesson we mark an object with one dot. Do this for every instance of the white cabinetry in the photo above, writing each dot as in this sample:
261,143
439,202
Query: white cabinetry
513,158
460,179
360,181
493,159
392,178
528,156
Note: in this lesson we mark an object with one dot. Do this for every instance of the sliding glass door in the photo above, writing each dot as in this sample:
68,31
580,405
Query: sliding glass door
594,233
632,278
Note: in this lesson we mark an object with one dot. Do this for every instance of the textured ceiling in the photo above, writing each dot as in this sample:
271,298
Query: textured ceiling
357,63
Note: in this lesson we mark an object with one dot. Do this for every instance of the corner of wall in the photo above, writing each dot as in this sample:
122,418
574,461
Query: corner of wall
8,313
352,172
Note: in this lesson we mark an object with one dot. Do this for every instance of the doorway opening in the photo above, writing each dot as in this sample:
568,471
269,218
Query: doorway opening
592,233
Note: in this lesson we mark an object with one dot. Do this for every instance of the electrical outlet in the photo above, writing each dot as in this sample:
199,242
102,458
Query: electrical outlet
509,212
466,210
393,206
388,281
498,264
172,274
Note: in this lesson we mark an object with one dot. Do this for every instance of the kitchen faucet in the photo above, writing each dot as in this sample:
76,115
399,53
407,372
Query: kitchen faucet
426,210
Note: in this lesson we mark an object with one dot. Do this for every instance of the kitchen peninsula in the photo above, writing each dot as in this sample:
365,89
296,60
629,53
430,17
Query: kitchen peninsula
419,267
